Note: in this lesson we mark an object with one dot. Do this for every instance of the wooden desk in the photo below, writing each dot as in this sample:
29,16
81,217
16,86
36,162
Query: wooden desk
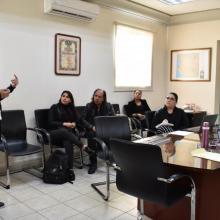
206,174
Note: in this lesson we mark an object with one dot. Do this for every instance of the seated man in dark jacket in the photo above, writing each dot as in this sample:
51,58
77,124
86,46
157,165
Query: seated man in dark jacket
97,107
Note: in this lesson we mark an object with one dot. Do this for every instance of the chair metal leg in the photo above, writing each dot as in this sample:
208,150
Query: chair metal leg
81,157
8,182
107,183
141,212
193,203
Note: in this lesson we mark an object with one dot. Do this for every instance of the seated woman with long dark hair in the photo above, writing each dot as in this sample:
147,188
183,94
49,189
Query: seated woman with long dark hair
63,120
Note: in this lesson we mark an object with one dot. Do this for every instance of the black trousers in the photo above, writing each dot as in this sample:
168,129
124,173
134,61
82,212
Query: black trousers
66,138
93,145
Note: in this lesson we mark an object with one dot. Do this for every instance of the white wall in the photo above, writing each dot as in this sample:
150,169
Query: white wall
196,35
27,49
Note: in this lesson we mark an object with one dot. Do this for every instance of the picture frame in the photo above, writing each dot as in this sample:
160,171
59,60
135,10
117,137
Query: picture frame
67,54
191,65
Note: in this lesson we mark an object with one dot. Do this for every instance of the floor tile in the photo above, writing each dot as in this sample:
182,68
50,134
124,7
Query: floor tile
14,211
96,196
47,188
65,194
58,212
27,178
79,217
123,203
30,198
126,217
8,199
82,203
103,212
34,216
41,202
26,193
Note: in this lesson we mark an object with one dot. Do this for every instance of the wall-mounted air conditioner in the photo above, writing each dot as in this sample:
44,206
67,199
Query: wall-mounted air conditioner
72,8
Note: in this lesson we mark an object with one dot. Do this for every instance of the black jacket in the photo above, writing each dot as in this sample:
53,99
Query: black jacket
60,113
91,111
11,88
178,118
133,108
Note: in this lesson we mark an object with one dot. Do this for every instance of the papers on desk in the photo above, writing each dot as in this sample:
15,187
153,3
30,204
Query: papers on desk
202,153
181,133
154,140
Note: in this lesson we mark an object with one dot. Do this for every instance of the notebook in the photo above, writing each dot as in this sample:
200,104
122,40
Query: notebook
207,118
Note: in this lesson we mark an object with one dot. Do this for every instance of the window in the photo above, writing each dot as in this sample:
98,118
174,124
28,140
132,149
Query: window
133,58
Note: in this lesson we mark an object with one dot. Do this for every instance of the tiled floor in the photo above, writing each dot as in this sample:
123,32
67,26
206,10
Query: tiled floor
31,199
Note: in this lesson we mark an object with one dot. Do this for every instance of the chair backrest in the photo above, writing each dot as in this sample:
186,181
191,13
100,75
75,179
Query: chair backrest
80,109
41,118
125,109
116,108
14,125
112,127
140,166
149,118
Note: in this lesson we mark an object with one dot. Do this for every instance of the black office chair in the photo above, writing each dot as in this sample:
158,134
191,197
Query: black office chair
14,142
108,127
41,118
142,173
116,108
149,119
135,125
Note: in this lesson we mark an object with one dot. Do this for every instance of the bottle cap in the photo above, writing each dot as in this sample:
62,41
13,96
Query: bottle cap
205,124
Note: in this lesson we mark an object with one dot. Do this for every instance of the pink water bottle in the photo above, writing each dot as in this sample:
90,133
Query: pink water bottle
205,135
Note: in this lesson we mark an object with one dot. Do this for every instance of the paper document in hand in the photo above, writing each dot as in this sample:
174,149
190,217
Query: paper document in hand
181,133
164,124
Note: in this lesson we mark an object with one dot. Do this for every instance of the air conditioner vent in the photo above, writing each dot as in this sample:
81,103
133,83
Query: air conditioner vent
72,8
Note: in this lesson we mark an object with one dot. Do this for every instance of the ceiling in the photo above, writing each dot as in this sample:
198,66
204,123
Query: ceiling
193,6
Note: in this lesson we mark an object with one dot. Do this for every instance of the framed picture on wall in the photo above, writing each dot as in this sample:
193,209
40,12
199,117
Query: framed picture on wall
67,54
191,65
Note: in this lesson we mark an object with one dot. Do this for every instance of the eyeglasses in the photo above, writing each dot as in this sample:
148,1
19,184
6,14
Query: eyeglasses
170,98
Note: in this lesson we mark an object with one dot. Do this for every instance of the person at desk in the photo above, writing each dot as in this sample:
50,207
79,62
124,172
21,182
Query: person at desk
4,93
137,108
170,117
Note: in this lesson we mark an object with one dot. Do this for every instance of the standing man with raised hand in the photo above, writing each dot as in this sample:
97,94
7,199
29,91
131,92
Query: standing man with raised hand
4,93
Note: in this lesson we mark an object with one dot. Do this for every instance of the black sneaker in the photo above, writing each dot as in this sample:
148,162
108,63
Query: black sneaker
92,168
71,175
2,204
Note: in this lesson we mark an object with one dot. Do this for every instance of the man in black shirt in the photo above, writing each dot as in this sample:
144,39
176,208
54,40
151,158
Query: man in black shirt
97,107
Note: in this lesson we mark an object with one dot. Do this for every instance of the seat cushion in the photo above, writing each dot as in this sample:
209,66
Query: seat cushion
21,148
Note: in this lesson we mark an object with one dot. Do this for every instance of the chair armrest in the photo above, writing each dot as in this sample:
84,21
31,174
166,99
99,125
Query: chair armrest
44,132
135,136
3,140
176,177
116,167
103,146
39,135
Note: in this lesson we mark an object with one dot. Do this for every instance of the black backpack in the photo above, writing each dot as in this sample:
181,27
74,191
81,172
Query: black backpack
56,168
